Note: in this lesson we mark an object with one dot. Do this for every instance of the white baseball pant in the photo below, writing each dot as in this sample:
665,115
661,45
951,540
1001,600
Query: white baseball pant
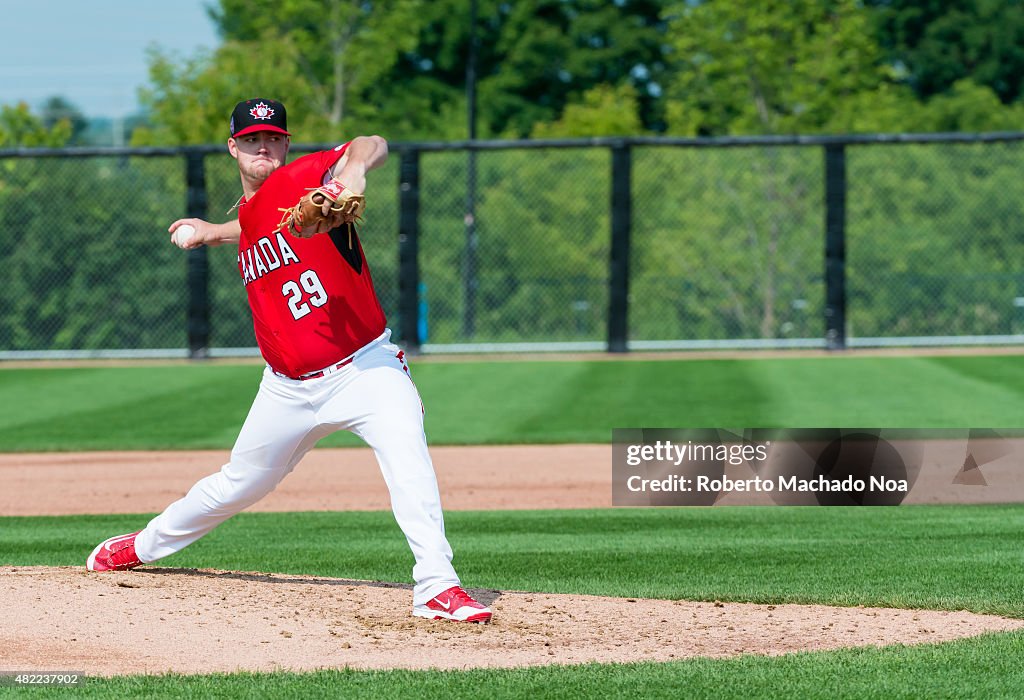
374,397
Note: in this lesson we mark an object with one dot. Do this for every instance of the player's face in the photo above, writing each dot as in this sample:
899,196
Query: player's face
259,154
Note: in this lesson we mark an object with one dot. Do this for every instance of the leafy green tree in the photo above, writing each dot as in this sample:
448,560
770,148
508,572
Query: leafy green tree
189,100
934,239
781,66
732,239
604,110
805,66
316,57
727,243
19,127
542,224
342,48
548,53
939,43
740,245
57,109
968,106
399,67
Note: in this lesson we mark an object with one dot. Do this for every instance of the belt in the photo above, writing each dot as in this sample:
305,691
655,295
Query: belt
320,372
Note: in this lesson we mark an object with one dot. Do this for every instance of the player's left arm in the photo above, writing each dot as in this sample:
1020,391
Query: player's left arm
364,153
339,200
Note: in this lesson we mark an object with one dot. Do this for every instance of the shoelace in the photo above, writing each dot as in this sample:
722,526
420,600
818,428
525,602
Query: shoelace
124,554
460,598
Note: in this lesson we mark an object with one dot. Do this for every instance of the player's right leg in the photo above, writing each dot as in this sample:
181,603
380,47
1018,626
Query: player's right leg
280,429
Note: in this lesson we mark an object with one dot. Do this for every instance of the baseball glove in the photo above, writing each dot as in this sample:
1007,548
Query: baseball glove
323,209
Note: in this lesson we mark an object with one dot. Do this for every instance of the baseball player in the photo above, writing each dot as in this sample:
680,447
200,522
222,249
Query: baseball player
330,363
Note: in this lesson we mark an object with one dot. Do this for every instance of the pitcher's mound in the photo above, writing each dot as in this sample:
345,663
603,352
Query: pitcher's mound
154,620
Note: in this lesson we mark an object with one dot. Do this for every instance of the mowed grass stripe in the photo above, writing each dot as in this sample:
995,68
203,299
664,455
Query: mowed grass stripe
124,408
203,406
841,391
941,557
882,392
982,667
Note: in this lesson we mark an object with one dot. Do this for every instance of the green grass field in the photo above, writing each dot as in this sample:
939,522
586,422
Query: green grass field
203,406
943,557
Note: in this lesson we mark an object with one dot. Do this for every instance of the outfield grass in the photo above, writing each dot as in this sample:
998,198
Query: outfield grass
203,405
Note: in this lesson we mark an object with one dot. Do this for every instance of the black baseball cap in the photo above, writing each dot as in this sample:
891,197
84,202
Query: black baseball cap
258,114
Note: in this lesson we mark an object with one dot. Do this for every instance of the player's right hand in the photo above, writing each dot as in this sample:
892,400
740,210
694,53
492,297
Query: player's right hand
188,242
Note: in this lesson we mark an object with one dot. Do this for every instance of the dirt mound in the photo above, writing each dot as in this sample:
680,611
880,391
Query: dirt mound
154,620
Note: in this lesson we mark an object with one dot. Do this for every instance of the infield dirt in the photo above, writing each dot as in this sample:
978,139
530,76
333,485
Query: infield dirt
153,620
507,477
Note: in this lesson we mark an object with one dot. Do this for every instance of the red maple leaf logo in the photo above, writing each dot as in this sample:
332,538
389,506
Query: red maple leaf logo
261,111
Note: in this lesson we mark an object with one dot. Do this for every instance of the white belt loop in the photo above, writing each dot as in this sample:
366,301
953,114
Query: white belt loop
335,367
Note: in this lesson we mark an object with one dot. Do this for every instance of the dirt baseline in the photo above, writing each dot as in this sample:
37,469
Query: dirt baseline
156,620
470,478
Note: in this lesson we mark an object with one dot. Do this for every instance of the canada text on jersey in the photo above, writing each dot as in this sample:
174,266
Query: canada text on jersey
265,256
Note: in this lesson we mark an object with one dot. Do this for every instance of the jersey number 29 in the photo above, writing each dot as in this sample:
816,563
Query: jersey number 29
311,286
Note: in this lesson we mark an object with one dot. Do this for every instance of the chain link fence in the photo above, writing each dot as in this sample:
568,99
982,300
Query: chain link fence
935,242
538,271
726,246
86,265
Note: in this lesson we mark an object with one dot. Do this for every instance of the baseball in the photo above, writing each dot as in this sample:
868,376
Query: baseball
183,233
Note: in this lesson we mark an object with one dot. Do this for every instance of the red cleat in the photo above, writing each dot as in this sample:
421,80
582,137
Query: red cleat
115,554
453,604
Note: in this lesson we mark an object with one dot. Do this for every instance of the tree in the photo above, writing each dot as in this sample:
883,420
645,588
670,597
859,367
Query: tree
342,48
933,239
938,43
19,127
316,57
603,111
57,109
800,66
189,100
537,56
780,66
762,68
97,273
399,66
968,106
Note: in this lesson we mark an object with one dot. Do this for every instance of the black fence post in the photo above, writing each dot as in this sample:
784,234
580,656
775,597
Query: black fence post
618,260
469,263
408,249
835,246
198,320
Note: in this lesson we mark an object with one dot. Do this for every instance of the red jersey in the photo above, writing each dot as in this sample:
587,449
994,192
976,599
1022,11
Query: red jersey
312,299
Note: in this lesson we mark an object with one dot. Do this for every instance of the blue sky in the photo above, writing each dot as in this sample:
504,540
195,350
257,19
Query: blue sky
93,53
